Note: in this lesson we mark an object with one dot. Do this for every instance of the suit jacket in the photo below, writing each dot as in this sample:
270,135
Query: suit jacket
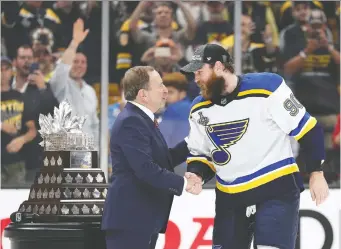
143,183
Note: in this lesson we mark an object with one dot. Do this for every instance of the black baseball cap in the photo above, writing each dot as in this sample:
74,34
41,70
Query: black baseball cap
206,54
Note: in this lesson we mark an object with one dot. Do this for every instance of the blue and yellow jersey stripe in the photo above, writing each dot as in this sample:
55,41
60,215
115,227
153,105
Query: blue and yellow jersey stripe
254,92
201,158
265,175
306,124
259,85
200,103
252,85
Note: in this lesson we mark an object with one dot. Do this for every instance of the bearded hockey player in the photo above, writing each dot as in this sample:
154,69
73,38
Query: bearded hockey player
240,133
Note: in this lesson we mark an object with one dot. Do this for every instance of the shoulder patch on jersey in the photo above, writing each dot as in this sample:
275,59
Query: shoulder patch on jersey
259,84
200,103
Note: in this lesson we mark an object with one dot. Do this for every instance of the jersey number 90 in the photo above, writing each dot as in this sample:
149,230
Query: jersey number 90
292,105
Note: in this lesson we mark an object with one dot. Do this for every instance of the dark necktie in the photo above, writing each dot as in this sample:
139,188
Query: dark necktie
156,123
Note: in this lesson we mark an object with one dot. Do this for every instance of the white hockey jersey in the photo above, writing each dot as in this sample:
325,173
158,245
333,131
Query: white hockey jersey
246,142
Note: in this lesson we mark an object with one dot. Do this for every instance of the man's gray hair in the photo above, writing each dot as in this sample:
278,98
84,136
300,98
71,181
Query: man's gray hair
135,79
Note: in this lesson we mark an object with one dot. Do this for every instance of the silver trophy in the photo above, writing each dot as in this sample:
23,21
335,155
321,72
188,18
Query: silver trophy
62,132
70,185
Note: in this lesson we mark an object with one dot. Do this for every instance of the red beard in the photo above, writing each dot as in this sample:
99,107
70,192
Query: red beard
213,87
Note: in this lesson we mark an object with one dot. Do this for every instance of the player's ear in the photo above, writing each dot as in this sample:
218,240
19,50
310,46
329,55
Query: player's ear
218,68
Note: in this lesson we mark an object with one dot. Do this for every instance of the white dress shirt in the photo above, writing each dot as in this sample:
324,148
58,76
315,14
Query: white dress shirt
144,109
151,115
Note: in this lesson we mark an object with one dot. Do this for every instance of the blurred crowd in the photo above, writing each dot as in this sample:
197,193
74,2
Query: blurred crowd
51,51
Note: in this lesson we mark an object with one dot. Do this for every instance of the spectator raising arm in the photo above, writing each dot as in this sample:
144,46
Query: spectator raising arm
191,25
79,34
62,73
67,83
163,19
134,18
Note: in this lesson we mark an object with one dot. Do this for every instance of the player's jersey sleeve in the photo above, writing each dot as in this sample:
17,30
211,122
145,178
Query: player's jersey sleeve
288,113
199,159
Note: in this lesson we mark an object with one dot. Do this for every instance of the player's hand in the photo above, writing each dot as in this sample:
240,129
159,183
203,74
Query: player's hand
194,183
318,186
15,145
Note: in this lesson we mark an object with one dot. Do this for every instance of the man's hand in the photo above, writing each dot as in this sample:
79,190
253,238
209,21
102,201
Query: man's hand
323,39
148,56
312,45
9,128
37,78
318,187
15,145
194,183
79,34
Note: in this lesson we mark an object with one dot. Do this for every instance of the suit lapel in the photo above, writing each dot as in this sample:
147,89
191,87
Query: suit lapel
155,129
158,132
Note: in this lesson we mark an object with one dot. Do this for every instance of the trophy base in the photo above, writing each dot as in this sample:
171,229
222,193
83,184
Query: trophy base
66,235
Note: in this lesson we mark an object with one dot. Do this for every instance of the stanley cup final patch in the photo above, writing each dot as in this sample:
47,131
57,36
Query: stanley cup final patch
203,120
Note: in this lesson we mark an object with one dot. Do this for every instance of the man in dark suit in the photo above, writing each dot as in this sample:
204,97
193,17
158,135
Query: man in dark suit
143,184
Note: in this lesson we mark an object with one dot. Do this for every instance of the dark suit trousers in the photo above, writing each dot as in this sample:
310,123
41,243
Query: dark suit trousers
119,239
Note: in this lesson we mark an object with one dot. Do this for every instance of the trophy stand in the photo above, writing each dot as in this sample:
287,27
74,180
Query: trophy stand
65,204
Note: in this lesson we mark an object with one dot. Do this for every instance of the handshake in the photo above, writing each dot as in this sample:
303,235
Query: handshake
194,183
